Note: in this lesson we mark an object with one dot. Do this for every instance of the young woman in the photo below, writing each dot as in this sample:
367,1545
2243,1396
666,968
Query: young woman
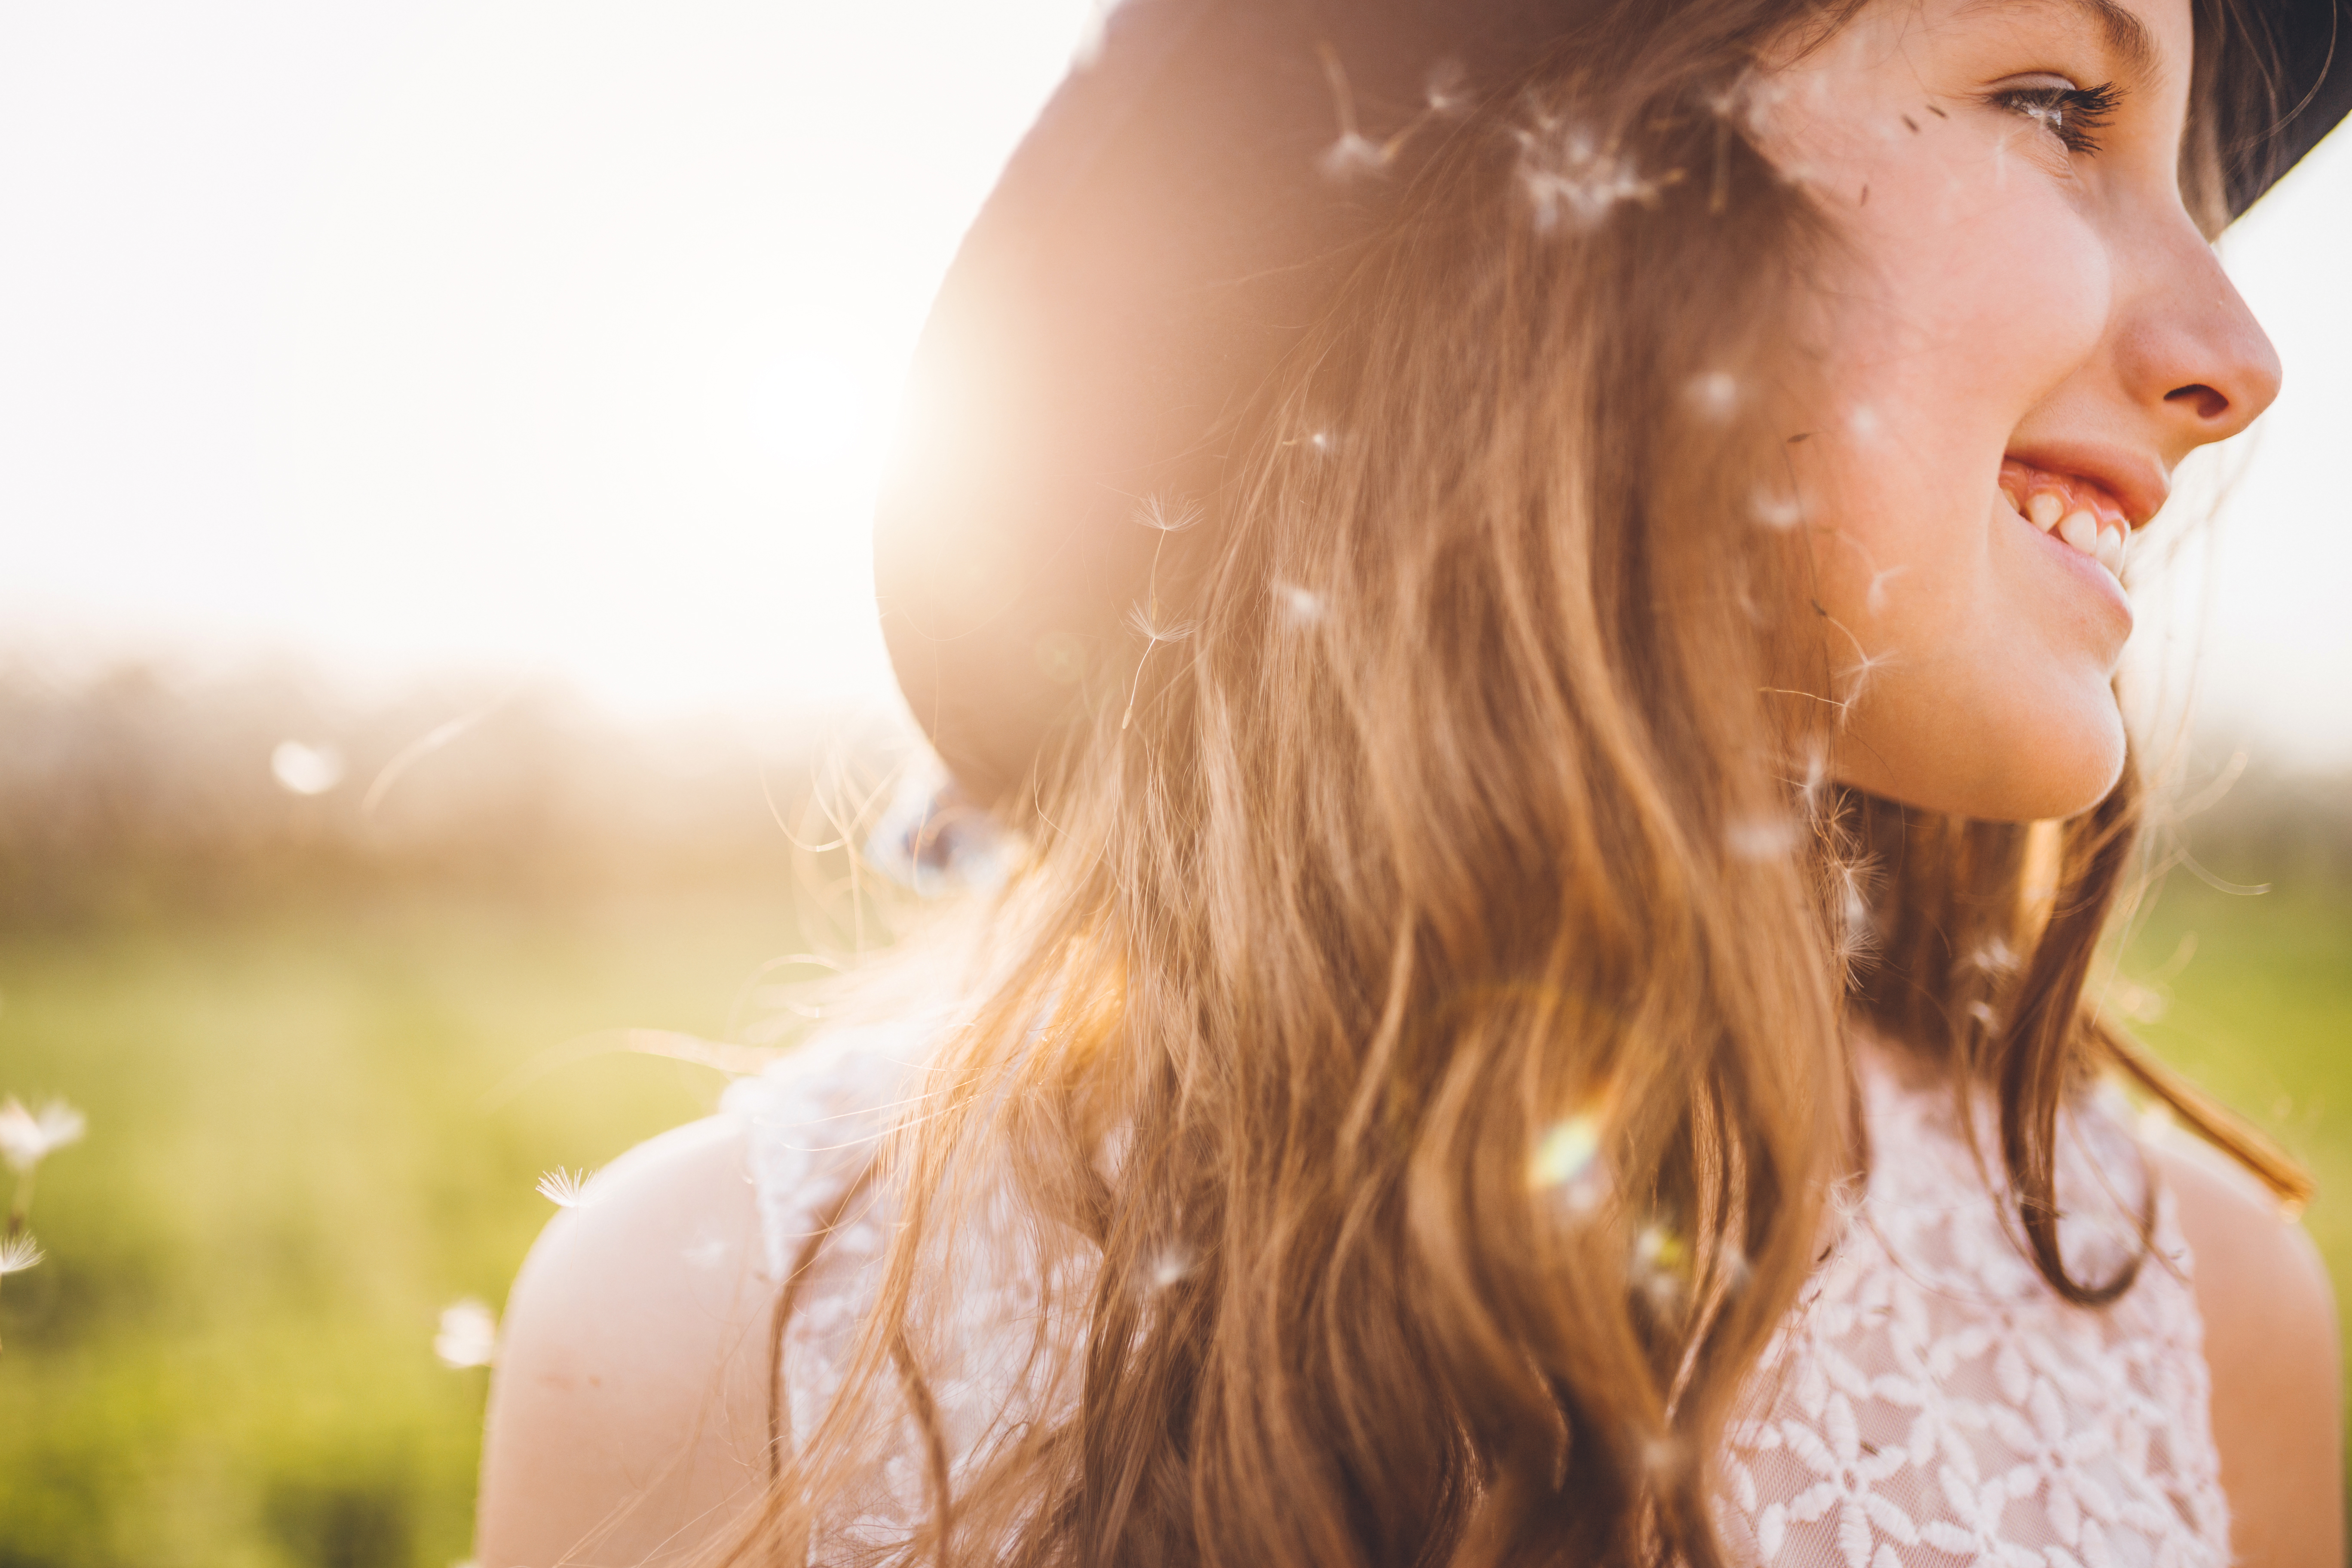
1546,1011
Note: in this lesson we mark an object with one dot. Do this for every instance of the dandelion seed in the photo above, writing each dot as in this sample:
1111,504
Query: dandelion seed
1861,423
1300,607
1353,153
306,770
1857,675
1856,933
1814,785
1661,1455
566,1189
1762,838
1164,514
1731,1266
26,1139
1876,599
469,1334
1155,632
1571,180
1991,956
1169,1267
1715,395
1776,511
19,1252
1350,156
1447,87
1982,1012
1324,442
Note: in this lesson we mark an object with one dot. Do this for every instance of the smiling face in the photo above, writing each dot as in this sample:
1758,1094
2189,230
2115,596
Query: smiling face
2024,332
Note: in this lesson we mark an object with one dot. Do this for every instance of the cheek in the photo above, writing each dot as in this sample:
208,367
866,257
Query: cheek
1961,662
1970,303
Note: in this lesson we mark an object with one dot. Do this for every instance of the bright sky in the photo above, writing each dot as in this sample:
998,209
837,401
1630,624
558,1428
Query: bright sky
561,336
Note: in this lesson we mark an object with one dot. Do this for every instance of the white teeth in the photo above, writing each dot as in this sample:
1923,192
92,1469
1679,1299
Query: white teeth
2042,511
2111,551
2081,529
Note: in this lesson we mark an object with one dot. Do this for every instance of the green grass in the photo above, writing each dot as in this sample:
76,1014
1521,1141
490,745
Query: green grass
292,1165
294,1161
2256,995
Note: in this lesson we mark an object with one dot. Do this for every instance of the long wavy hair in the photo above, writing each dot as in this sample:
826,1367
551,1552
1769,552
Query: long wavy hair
1413,1053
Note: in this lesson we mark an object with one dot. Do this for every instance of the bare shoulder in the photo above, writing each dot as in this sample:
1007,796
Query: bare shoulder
2270,1340
628,1416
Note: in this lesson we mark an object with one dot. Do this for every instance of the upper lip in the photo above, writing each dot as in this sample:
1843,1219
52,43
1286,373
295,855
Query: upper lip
2138,481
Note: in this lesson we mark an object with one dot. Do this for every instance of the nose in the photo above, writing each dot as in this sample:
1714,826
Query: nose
2196,358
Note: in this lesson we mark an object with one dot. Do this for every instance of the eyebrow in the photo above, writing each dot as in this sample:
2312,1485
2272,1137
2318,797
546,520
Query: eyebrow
2127,36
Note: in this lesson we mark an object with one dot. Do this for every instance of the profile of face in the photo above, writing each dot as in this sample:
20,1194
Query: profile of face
2025,333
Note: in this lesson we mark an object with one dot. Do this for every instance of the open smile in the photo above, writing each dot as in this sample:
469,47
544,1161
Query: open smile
2079,512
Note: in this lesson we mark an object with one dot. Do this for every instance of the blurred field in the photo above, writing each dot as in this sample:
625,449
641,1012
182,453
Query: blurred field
306,1036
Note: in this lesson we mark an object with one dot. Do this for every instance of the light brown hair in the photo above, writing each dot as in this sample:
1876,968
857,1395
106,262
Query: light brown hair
1466,808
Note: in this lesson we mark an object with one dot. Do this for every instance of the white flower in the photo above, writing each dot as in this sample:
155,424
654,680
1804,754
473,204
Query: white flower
19,1252
26,1139
566,1189
469,1336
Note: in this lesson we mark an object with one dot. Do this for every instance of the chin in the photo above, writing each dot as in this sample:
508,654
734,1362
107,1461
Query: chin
2048,764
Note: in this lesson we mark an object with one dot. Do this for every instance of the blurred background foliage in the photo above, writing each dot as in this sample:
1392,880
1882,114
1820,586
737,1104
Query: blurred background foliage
327,1049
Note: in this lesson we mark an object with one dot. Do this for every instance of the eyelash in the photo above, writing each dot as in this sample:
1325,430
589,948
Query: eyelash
2071,113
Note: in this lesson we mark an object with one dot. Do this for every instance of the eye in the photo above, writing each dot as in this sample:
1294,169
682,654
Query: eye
2072,114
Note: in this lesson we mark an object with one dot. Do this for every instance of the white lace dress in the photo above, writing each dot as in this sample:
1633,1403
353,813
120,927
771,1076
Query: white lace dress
1930,1403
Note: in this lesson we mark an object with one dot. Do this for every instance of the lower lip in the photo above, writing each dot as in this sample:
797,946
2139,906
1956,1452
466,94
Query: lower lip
2089,573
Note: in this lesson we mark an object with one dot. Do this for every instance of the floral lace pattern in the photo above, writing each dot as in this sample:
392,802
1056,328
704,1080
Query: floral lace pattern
1930,1403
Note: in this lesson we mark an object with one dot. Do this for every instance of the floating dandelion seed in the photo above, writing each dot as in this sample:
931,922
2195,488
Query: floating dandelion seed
1155,632
1166,514
19,1252
1862,422
1992,956
1661,1456
1168,1269
1715,395
1300,607
1876,599
1570,178
1731,1266
566,1189
1353,153
1813,787
306,770
1353,156
1856,928
1858,674
1762,838
1447,87
26,1138
1985,1018
1774,510
468,1335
